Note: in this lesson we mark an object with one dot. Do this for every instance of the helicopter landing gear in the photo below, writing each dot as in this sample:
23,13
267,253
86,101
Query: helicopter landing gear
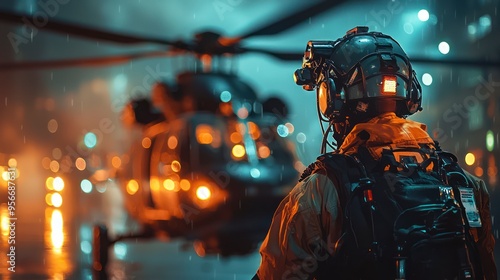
102,243
100,251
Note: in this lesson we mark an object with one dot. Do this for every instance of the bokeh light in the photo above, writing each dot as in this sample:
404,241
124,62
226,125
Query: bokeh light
12,162
225,96
49,183
52,126
238,151
490,141
282,130
423,15
80,164
58,184
146,142
427,79
444,47
54,166
116,162
90,140
86,186
56,200
132,187
172,142
203,193
470,158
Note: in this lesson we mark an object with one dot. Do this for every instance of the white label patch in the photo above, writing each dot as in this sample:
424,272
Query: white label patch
467,197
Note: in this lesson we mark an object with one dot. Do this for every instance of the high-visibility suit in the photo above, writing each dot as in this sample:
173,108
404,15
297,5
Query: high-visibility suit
311,213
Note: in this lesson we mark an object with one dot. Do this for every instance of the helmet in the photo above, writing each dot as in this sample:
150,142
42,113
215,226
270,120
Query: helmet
358,77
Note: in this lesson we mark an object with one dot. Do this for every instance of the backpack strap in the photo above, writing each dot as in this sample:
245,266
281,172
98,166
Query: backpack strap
453,175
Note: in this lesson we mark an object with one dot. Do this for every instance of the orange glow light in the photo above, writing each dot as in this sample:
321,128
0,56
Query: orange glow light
132,187
49,183
154,183
176,166
185,185
478,171
203,193
254,131
172,142
204,134
12,162
238,151
46,162
389,85
48,199
116,162
470,158
4,220
235,137
264,151
54,166
80,164
56,234
146,142
169,184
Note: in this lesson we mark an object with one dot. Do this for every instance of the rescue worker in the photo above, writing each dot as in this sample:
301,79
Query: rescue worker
366,88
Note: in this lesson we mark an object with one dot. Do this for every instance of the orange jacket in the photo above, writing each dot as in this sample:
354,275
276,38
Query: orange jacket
311,213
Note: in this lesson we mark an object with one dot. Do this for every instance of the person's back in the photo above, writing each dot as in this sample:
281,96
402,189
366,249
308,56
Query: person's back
337,223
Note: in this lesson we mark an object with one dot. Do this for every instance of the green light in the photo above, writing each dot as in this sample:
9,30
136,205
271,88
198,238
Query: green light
490,140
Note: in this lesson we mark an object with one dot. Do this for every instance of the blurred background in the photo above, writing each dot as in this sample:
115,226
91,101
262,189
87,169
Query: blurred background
64,135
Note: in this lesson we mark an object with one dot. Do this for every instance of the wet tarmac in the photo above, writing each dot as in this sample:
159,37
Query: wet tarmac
56,243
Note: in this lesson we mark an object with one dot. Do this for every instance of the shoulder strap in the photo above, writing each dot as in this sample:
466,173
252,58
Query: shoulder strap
344,171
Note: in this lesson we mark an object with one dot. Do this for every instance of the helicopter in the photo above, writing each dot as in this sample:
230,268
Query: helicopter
213,174
189,178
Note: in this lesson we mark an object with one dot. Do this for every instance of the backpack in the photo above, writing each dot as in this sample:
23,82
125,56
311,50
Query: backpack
407,215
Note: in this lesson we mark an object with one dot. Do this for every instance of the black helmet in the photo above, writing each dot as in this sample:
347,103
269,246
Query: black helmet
358,77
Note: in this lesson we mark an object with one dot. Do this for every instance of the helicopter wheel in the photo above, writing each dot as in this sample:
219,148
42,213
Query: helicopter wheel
100,252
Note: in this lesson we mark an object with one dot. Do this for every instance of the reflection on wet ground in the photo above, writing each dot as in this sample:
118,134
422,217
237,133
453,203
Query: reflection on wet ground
56,243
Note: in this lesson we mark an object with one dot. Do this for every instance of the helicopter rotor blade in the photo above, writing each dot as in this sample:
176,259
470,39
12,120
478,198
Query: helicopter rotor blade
88,32
456,62
81,62
286,56
297,56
